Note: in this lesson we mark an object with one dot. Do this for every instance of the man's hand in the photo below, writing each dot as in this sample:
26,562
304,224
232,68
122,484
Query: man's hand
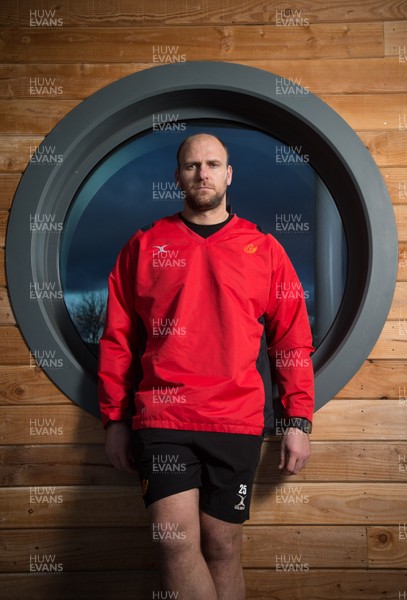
117,445
295,451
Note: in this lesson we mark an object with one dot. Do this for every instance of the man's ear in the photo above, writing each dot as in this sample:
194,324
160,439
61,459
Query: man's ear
177,176
229,174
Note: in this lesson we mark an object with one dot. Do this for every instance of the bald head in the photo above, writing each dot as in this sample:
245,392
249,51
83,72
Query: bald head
203,174
200,137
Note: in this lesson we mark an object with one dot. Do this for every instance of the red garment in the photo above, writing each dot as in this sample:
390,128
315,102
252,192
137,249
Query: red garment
199,312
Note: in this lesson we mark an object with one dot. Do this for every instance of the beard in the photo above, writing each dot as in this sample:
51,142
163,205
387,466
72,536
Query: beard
204,203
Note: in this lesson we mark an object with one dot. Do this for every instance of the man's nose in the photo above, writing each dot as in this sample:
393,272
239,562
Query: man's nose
202,172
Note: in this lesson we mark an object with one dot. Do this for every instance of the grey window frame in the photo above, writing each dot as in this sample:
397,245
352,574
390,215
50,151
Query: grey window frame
197,90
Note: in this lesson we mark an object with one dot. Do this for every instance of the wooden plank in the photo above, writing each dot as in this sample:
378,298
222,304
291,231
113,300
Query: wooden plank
183,43
6,314
28,385
396,182
124,585
261,584
386,547
15,152
13,349
395,36
49,424
400,214
34,116
345,546
318,504
359,461
3,226
63,81
87,464
126,13
392,342
8,186
361,420
118,549
388,148
324,585
133,548
78,81
362,112
402,266
334,504
2,268
74,464
378,379
398,308
365,112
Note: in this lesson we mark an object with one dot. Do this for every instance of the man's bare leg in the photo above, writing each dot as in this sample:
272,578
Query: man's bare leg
176,529
221,543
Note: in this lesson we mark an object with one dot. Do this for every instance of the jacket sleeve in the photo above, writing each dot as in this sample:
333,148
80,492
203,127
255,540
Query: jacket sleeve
117,346
289,339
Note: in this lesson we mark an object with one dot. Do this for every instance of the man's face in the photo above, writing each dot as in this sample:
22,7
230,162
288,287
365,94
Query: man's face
203,173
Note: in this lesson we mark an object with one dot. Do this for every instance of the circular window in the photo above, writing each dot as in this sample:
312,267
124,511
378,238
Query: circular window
107,169
287,199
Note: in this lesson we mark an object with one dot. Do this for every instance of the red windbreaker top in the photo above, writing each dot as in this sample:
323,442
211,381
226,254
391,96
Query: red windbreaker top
205,319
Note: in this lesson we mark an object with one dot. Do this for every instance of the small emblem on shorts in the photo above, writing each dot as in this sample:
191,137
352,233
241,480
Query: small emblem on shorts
250,249
144,486
242,495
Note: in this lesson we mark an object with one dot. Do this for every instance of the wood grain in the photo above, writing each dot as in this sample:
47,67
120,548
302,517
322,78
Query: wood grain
392,341
78,81
315,504
28,385
362,112
162,45
67,424
261,584
87,464
387,547
395,36
112,13
378,379
124,549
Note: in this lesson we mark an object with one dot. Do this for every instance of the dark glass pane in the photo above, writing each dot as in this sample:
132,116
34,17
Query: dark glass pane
273,185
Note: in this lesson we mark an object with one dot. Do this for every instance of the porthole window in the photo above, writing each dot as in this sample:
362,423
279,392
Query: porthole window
299,172
273,185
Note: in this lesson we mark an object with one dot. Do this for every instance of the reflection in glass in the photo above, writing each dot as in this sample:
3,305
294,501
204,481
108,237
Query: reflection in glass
273,185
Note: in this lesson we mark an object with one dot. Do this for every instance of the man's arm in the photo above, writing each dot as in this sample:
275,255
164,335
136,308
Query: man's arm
289,346
116,360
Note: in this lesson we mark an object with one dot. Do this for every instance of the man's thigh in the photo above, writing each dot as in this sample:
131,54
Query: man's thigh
221,465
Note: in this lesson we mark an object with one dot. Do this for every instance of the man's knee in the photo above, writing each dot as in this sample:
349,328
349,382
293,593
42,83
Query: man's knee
221,545
175,525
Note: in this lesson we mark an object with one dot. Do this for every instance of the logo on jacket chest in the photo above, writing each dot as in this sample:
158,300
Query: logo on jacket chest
165,257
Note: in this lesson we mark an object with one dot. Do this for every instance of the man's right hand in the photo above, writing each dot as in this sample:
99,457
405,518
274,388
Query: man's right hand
117,445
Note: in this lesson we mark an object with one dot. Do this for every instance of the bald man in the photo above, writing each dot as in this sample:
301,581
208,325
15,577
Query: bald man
195,328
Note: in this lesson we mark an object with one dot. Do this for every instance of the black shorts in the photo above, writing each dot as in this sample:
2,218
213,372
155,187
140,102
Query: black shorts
221,465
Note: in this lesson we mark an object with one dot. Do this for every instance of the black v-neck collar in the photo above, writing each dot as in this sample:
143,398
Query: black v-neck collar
205,230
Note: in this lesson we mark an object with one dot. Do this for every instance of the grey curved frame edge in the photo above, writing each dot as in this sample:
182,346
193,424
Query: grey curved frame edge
202,90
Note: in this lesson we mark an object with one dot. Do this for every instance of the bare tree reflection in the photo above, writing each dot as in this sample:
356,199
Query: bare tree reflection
89,314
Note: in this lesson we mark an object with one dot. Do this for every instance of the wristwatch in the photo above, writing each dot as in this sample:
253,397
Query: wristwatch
300,423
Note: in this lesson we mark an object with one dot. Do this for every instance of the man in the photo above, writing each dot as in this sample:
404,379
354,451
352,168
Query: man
196,301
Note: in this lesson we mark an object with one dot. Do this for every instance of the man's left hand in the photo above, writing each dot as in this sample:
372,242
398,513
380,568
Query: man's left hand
295,451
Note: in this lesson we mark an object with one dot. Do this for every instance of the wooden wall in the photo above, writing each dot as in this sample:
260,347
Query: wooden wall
342,523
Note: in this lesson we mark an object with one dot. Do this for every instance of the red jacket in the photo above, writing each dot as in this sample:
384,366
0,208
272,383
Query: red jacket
205,319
